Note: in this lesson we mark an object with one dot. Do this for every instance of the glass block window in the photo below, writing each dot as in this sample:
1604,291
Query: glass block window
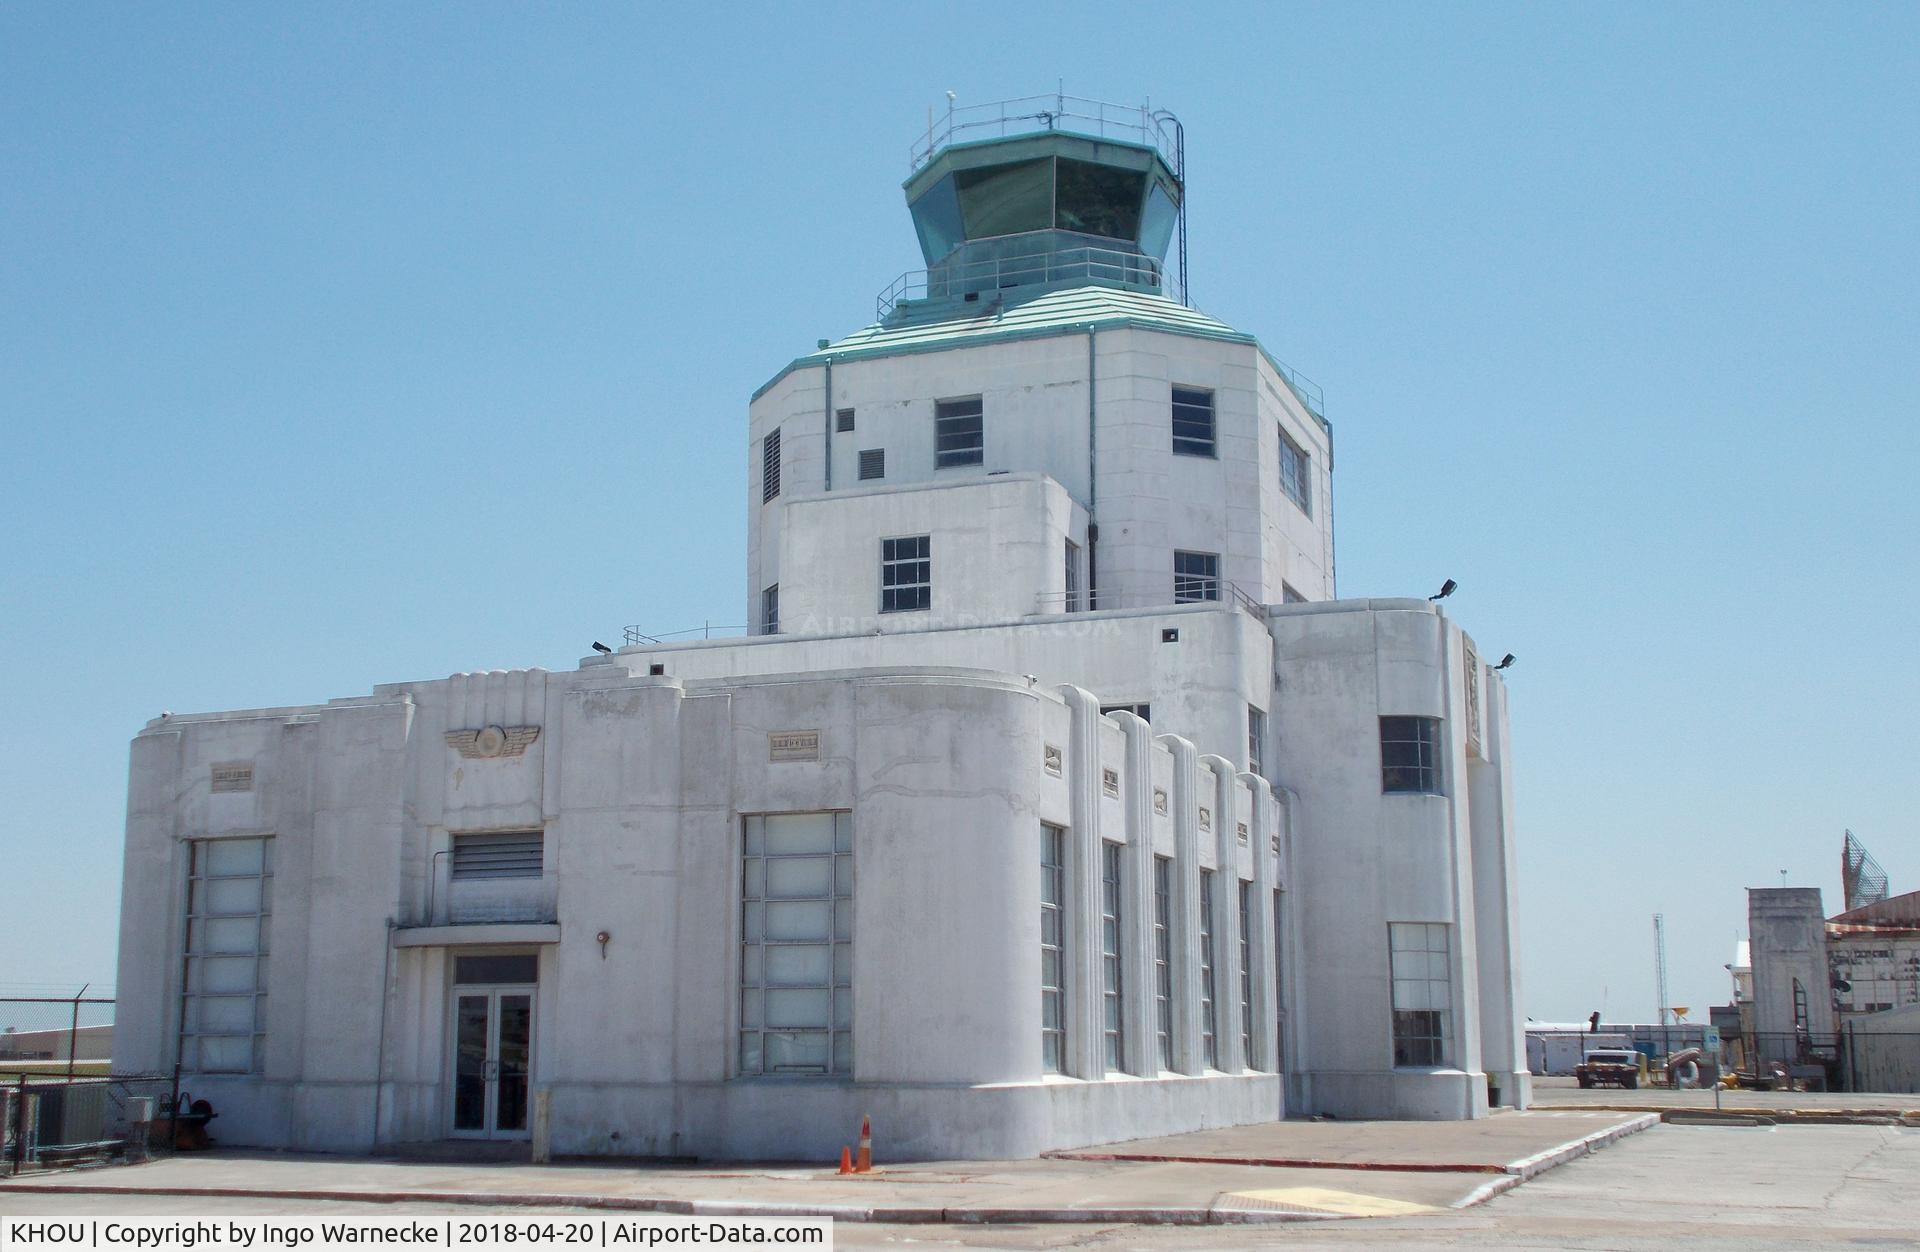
1112,985
1193,422
1257,740
1296,477
1053,886
770,610
223,1004
873,463
1246,974
1163,958
1196,577
796,944
1410,754
498,854
1422,992
958,437
770,465
906,574
1209,1047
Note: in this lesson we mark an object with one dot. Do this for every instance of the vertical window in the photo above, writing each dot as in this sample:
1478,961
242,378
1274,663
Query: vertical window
1246,975
873,463
843,420
1073,577
1279,988
1209,1048
770,465
223,1003
1053,1022
1142,711
906,574
1163,959
1193,421
1410,754
1296,477
1422,992
957,433
1257,741
770,610
796,944
1196,577
1114,1024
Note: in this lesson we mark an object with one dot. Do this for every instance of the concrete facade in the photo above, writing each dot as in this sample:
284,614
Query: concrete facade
395,917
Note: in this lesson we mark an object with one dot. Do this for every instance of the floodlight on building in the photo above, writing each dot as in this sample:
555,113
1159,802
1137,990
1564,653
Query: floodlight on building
1506,662
602,648
1447,588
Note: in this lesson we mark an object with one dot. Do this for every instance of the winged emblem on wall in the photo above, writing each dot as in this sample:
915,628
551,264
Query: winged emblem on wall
492,741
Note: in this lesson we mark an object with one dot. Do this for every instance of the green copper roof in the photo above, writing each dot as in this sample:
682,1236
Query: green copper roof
1052,313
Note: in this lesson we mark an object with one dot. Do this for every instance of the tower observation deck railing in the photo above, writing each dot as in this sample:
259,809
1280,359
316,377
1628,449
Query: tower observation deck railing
1102,265
1078,115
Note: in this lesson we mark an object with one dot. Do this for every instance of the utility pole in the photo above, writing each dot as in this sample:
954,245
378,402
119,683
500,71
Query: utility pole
1660,973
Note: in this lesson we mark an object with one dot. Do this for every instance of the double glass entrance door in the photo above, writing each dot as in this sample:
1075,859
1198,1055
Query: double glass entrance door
492,1060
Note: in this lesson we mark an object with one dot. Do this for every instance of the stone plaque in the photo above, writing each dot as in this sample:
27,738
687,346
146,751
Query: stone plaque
1206,818
1110,781
1052,760
1243,832
233,777
793,745
1160,801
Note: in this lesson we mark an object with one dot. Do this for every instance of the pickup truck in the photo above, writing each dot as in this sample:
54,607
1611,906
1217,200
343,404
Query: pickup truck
1609,1067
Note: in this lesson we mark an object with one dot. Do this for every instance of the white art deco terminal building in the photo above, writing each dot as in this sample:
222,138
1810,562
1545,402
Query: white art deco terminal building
1052,799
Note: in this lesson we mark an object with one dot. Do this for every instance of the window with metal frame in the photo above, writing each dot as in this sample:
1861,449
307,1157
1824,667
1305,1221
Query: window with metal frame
223,1001
498,854
906,574
1196,577
1113,984
770,465
1142,711
1296,473
1053,941
1246,975
770,610
1410,755
1420,963
843,420
1193,428
1289,596
1073,577
1257,741
873,463
1279,987
796,944
1163,958
958,432
1209,1046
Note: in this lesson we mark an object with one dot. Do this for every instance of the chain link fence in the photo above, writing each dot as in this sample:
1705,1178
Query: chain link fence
62,1104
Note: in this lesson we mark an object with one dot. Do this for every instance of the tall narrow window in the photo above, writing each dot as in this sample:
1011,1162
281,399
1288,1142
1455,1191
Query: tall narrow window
1257,740
770,465
1410,754
1296,477
1163,958
1113,990
796,944
1053,1022
1209,1047
1246,975
1193,421
1073,577
1279,988
906,574
958,434
223,1008
770,610
1196,577
1422,992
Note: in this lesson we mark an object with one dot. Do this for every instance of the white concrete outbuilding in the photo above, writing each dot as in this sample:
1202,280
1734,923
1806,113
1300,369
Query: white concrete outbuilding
1053,798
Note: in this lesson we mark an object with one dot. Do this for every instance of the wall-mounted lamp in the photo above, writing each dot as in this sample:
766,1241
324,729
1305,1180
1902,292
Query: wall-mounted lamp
601,939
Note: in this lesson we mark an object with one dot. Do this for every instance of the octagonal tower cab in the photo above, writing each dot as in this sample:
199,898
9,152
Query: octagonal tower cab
1079,198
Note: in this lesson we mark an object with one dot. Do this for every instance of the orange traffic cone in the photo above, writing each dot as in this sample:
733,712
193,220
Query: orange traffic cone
864,1163
846,1161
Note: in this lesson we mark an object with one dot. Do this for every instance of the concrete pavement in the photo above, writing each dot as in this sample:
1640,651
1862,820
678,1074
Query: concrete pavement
1315,1170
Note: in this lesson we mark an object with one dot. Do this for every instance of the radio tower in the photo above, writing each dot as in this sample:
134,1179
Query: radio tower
1660,964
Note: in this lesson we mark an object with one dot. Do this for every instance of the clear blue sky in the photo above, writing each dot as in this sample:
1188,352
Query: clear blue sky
344,344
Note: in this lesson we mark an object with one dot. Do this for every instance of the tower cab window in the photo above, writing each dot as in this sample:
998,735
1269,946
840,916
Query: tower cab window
1193,430
958,437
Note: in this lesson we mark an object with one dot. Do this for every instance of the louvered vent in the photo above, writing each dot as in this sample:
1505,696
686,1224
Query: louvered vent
515,854
873,463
